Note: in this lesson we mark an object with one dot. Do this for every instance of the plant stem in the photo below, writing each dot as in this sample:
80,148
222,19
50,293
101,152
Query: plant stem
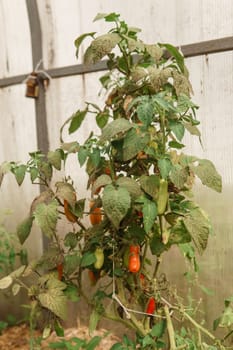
133,322
158,262
197,325
170,329
162,127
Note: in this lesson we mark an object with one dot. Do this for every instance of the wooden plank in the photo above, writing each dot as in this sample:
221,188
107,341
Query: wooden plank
208,47
191,50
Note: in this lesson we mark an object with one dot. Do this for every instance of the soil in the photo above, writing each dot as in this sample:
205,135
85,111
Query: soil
18,337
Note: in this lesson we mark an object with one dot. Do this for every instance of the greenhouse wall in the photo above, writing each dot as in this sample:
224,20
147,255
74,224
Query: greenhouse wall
180,22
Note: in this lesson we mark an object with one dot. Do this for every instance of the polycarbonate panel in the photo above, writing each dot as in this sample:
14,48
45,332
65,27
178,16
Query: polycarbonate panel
18,138
16,55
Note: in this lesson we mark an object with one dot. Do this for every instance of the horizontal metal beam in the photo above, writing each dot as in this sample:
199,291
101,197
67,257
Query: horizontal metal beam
190,50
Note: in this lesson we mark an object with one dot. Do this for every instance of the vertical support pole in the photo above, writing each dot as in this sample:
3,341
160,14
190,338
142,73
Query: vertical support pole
40,102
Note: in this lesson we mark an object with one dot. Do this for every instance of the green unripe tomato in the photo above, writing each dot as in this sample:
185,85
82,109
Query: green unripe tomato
99,254
126,257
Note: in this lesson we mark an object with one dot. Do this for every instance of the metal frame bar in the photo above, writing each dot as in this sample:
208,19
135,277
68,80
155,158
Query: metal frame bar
190,50
40,102
37,54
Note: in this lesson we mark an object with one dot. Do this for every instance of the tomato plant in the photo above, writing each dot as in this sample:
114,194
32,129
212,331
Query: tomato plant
141,205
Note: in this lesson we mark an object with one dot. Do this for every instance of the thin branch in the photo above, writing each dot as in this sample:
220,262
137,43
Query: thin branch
170,329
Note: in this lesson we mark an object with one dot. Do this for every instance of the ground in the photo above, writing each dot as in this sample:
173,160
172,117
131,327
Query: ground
17,337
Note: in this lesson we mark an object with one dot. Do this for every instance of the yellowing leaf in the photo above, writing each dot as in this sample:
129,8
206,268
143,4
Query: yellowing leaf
199,228
55,158
131,186
66,191
102,180
100,47
150,184
208,174
54,300
5,282
113,129
46,217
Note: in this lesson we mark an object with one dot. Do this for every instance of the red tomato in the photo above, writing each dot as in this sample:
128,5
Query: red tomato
70,216
134,259
60,271
95,214
151,307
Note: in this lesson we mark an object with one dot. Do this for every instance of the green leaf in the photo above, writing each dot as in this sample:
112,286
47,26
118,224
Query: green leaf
55,158
24,229
79,208
175,144
117,346
134,143
72,261
192,129
165,167
54,298
208,174
5,168
176,54
150,184
95,157
160,100
199,228
46,170
93,343
145,112
116,202
102,119
76,121
80,39
158,329
58,329
100,47
65,191
109,17
101,181
46,217
82,155
71,240
149,214
179,175
88,259
93,322
34,172
5,282
70,147
147,340
227,317
72,292
20,172
113,129
156,245
179,233
130,185
177,128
